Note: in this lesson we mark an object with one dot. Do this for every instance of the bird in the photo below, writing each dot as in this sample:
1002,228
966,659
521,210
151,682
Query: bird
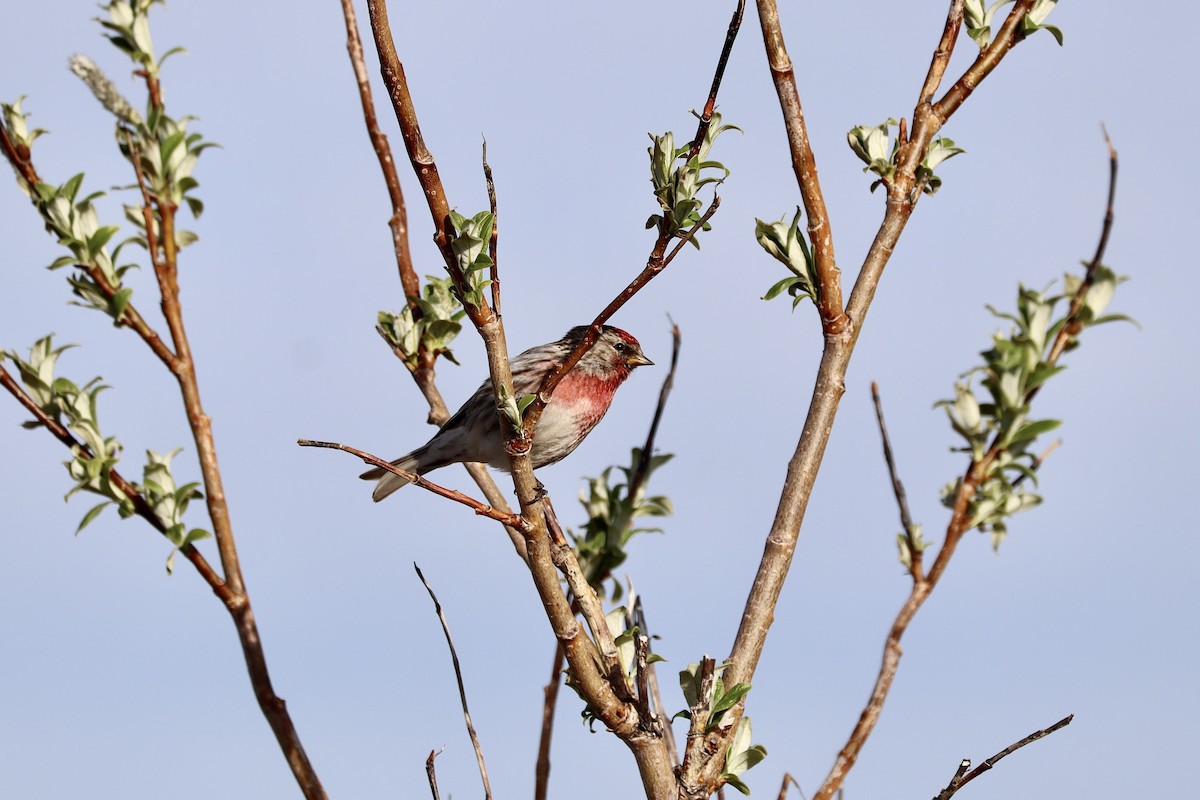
577,405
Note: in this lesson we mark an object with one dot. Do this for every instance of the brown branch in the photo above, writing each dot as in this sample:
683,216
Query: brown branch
783,789
141,506
462,692
431,773
587,601
423,373
273,707
828,389
898,488
513,520
422,160
1007,37
710,106
398,222
962,777
804,164
942,53
494,270
550,701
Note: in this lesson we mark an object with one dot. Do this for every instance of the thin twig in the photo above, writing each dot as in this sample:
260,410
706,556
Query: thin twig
655,265
462,692
387,164
906,521
549,702
514,520
710,105
431,772
962,777
783,789
494,270
1072,327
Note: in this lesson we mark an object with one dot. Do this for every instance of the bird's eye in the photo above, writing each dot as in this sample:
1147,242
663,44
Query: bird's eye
620,347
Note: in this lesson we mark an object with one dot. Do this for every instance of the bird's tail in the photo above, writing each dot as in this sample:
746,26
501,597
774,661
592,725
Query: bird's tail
389,482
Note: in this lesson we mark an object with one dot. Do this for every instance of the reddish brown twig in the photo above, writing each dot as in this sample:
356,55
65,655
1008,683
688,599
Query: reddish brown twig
710,105
906,520
655,265
513,520
462,692
962,777
431,773
549,703
398,222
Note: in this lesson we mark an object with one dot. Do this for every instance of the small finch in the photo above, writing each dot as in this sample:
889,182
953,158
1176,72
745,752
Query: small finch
578,403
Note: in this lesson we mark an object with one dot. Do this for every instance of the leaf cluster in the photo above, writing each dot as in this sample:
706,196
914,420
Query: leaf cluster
977,18
91,466
677,179
787,244
879,151
612,511
435,327
1013,370
470,246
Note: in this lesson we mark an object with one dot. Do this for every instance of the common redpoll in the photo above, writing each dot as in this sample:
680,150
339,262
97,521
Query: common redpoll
578,403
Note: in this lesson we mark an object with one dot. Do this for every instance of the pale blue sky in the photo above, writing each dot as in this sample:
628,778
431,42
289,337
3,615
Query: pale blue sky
120,682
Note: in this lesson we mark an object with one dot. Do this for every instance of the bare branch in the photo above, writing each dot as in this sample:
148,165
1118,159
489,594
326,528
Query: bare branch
783,789
962,777
383,151
513,520
462,692
431,772
494,270
906,520
542,771
710,106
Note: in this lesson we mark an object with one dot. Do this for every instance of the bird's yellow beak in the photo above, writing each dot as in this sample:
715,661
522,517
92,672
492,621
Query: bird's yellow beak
638,360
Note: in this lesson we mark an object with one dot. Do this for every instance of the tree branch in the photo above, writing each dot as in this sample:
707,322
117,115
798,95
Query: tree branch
962,777
906,521
829,277
398,222
513,520
462,692
550,701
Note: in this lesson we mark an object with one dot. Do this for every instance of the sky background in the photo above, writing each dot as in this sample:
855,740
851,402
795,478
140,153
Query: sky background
121,682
